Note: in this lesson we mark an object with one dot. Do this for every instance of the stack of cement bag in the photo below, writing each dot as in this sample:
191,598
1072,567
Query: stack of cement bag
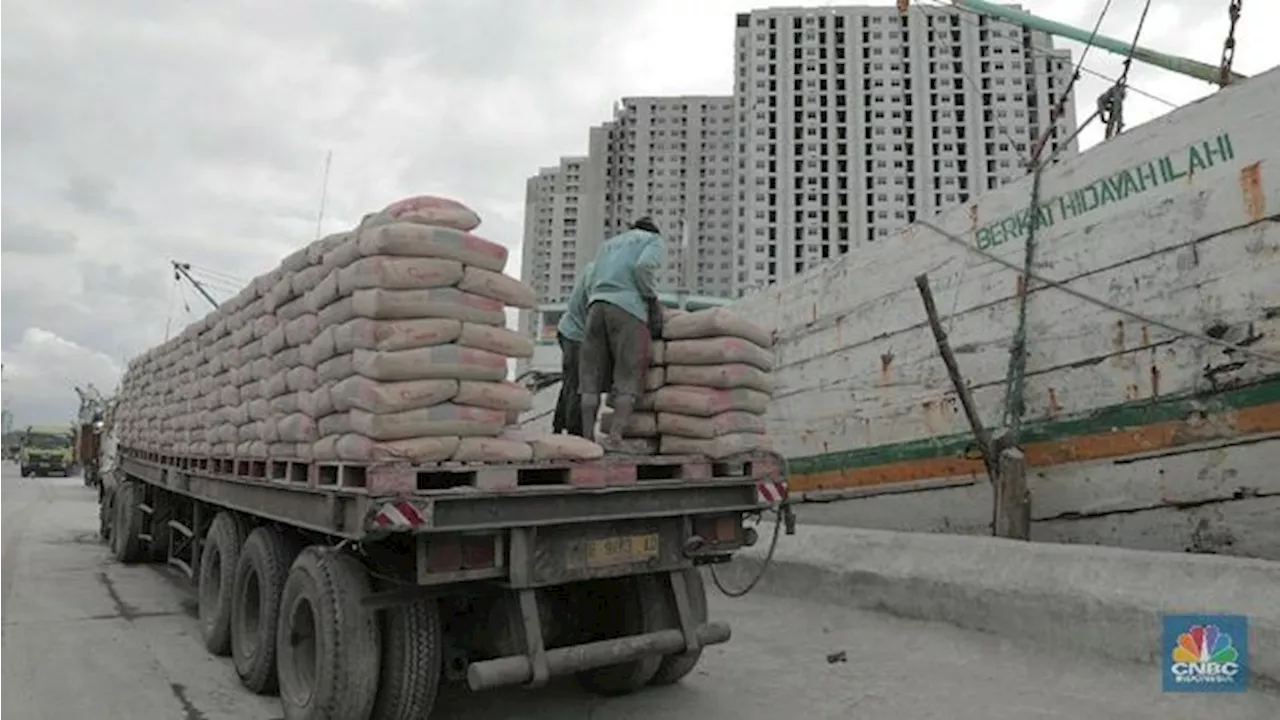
709,386
385,343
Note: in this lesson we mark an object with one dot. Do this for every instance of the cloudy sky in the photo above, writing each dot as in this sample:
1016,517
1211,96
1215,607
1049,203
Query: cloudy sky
140,131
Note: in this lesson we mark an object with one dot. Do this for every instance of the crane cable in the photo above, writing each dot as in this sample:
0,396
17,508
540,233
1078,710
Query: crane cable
1229,45
1114,116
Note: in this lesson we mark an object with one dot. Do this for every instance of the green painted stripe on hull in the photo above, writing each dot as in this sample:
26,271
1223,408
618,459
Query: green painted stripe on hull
1126,415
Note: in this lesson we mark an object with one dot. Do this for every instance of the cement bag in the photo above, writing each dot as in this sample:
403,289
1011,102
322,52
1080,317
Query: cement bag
732,375
302,378
721,447
259,409
301,330
295,261
366,334
335,313
490,284
654,378
325,292
296,428
361,393
334,369
249,432
493,450
251,390
438,242
281,293
658,352
243,333
322,348
282,450
389,272
437,361
500,340
500,395
354,448
270,428
251,351
286,404
554,447
436,302
264,282
641,424
725,423
229,395
714,322
274,341
261,369
255,449
426,210
225,433
286,359
717,351
338,423
276,385
316,250
293,309
438,420
705,402
305,280
222,449
264,325
316,403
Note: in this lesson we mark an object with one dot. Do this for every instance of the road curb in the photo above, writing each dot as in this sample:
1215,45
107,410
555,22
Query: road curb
1090,599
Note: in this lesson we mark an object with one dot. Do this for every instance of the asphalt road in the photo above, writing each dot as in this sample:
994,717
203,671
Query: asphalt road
84,637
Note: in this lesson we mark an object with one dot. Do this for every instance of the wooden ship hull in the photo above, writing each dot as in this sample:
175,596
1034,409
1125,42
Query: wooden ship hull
1136,435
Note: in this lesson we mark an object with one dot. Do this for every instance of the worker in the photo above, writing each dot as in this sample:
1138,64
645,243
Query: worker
622,302
569,332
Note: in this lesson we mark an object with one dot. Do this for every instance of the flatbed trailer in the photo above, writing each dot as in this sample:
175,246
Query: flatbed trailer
354,589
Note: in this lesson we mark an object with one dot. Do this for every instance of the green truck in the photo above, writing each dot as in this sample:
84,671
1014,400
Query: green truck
45,450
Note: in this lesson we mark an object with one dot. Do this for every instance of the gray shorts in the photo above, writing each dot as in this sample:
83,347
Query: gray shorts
615,352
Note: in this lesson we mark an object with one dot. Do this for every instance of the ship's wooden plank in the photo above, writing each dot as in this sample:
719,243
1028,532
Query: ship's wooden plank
858,368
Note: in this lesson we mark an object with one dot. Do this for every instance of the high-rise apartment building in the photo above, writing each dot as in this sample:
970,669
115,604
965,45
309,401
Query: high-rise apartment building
671,158
556,201
852,121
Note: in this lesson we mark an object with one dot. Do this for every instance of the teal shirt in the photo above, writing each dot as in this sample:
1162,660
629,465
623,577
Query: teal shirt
625,271
573,324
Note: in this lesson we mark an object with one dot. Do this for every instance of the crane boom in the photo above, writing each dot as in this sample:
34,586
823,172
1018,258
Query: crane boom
183,270
1184,66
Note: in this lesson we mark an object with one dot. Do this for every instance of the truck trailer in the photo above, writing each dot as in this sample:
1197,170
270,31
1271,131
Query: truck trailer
359,587
332,458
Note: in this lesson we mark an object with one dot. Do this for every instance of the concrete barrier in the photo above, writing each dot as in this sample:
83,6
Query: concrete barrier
1081,598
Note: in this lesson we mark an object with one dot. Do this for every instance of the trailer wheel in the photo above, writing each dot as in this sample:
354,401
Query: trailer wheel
260,575
217,577
625,606
412,657
674,667
327,643
127,526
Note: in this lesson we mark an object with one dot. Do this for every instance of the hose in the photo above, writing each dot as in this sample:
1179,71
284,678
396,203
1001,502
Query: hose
782,512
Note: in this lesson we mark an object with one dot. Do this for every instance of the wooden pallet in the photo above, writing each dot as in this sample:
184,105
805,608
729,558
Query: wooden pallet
406,478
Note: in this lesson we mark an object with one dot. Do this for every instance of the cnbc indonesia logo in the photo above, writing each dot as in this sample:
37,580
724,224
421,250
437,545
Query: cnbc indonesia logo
1205,655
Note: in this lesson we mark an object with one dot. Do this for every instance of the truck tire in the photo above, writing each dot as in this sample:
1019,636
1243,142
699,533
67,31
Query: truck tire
217,578
629,606
412,656
127,525
674,667
161,514
327,644
260,575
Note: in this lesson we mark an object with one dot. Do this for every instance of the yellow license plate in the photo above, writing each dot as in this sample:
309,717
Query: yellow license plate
622,550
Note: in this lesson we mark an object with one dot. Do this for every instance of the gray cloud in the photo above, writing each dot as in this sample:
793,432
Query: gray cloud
138,132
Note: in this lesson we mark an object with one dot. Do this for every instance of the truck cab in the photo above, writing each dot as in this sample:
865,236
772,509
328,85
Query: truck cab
45,450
